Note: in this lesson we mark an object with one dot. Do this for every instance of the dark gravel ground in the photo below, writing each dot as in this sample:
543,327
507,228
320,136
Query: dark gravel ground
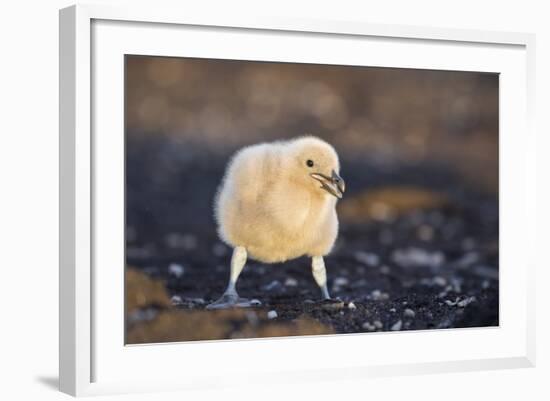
424,268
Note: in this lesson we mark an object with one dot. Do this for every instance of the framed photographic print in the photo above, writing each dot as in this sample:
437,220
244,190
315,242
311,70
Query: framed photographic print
267,198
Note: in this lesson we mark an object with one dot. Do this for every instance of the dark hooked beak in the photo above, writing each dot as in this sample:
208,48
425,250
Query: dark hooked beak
334,185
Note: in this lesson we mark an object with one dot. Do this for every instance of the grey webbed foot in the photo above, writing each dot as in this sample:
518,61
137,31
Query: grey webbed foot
233,300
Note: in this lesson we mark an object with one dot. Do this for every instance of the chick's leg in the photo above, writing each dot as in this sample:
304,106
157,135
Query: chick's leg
230,297
320,274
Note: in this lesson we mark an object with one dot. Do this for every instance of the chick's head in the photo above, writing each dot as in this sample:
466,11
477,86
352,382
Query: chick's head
314,163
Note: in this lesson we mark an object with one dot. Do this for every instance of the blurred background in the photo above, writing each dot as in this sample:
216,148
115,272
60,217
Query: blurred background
418,245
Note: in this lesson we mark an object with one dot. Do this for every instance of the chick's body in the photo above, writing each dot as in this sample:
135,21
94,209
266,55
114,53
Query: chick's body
265,204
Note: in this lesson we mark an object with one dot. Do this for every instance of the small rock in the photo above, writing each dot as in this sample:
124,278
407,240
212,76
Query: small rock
352,306
485,284
378,295
440,281
272,314
275,284
393,310
451,303
466,301
409,313
370,259
291,282
187,242
341,281
176,300
176,270
378,324
417,257
368,326
198,301
309,301
255,302
397,326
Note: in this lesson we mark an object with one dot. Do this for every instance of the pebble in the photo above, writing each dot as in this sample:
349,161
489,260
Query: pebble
275,284
378,324
341,281
440,281
368,258
467,260
176,270
272,314
409,313
255,302
352,306
417,257
368,326
466,301
451,303
291,282
378,295
397,326
176,300
198,301
187,242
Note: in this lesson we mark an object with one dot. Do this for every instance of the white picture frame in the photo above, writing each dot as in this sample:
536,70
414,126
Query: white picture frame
89,362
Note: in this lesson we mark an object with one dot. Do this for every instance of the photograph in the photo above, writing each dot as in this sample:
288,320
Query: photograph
275,199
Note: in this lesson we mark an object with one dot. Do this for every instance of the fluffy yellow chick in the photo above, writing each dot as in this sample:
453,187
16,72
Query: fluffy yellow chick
277,202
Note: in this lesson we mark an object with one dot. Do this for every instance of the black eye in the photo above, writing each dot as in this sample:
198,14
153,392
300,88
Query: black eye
310,163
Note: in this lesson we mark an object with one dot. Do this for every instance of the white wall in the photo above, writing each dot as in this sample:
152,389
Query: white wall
28,208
